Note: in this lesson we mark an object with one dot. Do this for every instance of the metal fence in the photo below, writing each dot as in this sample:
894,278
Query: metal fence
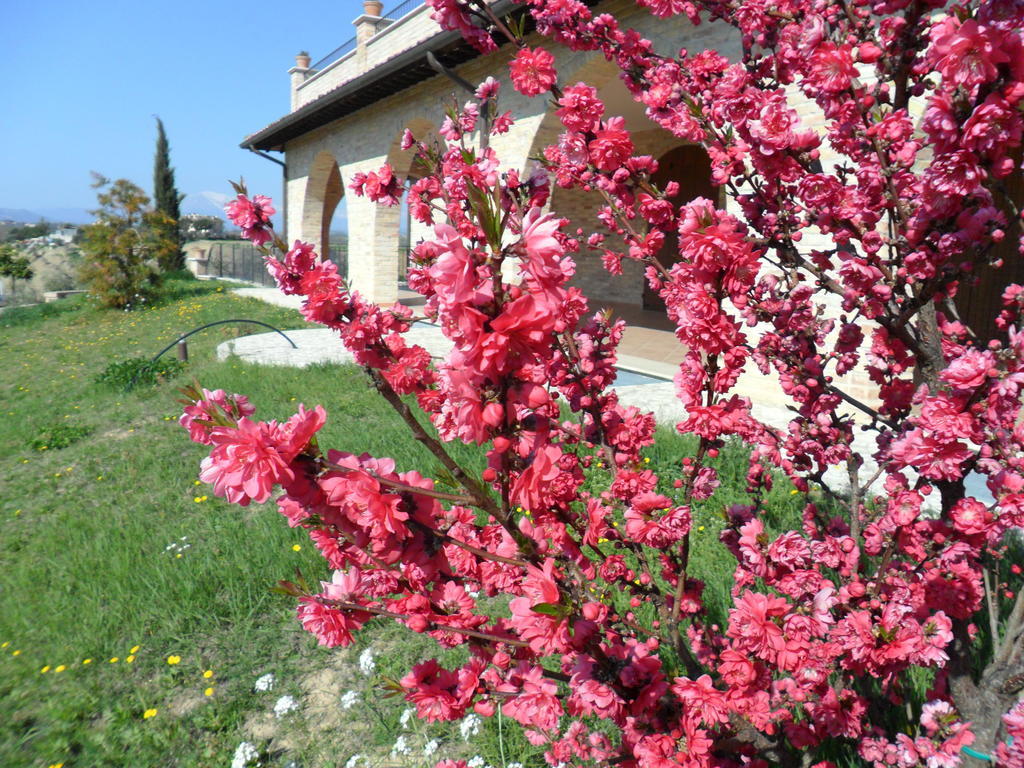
238,261
338,253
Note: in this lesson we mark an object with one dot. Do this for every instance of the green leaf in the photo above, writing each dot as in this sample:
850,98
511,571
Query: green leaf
555,610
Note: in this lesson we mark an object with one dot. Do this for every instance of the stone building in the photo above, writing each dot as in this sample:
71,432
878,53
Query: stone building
348,112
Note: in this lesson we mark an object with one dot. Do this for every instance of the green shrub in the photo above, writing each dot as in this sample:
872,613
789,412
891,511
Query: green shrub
60,436
135,372
120,245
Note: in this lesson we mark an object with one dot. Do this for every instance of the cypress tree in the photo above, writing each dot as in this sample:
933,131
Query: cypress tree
167,202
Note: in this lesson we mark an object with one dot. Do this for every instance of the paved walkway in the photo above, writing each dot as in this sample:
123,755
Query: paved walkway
647,351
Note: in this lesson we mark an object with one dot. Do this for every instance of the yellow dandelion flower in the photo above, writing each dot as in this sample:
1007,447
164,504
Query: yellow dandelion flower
149,713
134,649
196,482
296,547
208,674
60,668
647,460
44,670
700,527
86,661
15,653
177,556
208,692
129,658
114,660
172,660
4,644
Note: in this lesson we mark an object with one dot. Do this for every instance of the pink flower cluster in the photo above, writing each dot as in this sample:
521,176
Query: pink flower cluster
252,216
850,627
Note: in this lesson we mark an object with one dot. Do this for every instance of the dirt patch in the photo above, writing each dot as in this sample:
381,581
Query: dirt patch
321,731
117,434
185,703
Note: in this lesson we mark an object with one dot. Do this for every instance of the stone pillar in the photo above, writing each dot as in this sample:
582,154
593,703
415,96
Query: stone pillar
299,73
373,249
366,25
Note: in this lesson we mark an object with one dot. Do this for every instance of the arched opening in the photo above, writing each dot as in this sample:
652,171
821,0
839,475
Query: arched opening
689,166
407,167
979,298
324,192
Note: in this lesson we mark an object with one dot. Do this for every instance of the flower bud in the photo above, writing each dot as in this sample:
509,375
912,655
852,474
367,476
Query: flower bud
493,414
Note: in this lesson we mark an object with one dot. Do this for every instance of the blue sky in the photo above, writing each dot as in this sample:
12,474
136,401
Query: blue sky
81,82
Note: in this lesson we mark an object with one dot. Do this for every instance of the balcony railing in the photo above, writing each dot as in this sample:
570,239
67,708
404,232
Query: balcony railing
350,45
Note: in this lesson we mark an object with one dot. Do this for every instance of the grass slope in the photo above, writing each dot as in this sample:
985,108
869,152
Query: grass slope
127,588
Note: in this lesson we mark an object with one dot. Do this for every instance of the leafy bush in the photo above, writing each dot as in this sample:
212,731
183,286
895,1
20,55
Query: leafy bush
120,245
126,375
60,436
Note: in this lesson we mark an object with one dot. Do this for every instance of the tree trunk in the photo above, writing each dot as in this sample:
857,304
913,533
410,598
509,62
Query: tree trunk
983,700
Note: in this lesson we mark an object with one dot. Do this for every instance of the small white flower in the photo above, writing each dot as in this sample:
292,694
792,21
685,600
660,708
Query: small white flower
246,756
514,765
470,726
285,705
406,717
400,747
430,747
475,762
366,663
349,699
264,683
354,761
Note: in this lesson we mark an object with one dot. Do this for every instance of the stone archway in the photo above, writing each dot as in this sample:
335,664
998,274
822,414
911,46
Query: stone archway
979,298
324,191
689,166
374,229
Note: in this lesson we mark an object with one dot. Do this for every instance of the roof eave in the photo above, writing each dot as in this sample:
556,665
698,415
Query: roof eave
330,106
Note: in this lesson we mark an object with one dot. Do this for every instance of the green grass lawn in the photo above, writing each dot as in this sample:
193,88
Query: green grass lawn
115,562
113,559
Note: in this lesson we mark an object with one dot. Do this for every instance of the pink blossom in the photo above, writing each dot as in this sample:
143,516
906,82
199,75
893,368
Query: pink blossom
245,463
252,216
532,71
966,54
611,146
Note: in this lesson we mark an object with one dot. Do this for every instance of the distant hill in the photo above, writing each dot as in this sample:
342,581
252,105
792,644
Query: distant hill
19,215
58,215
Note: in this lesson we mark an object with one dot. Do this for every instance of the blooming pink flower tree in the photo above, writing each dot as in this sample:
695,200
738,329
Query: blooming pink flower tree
900,576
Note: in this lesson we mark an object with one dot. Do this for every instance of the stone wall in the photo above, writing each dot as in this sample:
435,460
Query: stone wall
366,139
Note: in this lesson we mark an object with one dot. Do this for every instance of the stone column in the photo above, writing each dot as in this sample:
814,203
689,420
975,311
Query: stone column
373,249
366,25
299,73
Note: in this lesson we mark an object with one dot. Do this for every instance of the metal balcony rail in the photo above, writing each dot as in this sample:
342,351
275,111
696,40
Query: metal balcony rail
350,45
